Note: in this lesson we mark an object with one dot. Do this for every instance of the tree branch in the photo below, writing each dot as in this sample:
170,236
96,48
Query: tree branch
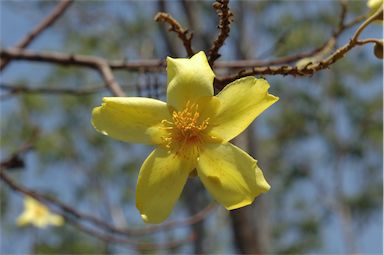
269,67
68,211
225,19
310,68
40,28
99,64
109,79
184,34
143,246
138,65
80,60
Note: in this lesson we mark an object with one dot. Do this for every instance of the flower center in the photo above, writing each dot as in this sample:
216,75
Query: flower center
185,131
40,212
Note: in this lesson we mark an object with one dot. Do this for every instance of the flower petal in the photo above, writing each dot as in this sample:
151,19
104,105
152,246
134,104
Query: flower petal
375,4
24,219
240,103
161,181
188,79
55,219
230,175
131,119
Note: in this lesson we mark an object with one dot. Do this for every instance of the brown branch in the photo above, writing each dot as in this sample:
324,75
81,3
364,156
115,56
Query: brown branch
291,58
258,67
70,213
171,45
40,28
66,209
99,64
138,65
343,14
14,160
225,19
295,57
74,218
137,245
184,34
199,216
80,60
309,69
156,64
109,79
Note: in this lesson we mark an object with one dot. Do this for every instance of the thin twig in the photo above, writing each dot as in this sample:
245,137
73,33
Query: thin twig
40,28
80,60
14,160
343,14
156,64
138,65
269,67
225,19
184,34
66,209
311,68
99,64
75,220
134,244
109,78
199,216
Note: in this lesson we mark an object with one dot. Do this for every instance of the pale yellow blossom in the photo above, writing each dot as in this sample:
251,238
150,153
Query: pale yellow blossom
38,215
191,133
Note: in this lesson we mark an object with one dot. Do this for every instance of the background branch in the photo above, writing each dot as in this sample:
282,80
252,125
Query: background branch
14,160
310,68
174,26
40,28
69,141
225,18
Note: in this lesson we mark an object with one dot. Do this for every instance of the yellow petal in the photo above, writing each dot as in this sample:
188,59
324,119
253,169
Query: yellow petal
208,107
24,219
375,4
37,214
161,181
55,219
188,79
131,119
28,215
41,221
240,103
231,176
30,204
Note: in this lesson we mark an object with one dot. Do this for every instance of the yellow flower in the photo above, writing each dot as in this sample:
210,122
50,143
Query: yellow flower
191,133
374,5
37,214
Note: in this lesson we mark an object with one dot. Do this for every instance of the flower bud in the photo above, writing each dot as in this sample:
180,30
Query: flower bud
378,50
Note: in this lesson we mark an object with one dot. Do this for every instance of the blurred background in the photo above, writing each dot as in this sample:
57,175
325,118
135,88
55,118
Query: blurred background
320,146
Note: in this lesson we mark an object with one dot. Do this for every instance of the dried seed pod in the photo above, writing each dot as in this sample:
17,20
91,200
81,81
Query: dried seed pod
378,50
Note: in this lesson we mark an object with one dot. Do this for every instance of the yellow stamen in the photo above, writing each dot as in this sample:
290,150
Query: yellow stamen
185,131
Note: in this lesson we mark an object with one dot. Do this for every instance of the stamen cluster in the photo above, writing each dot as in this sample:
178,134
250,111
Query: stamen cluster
185,131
